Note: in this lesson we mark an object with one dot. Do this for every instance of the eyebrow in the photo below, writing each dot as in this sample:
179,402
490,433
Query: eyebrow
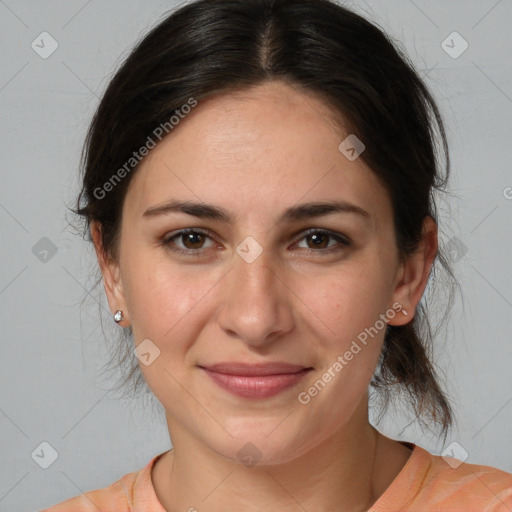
294,213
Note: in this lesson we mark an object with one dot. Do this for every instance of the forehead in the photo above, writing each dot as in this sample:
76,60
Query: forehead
264,148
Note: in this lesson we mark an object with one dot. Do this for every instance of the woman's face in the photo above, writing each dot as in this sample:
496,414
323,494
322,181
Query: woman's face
273,278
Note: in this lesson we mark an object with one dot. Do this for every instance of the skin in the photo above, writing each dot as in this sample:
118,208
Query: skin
256,153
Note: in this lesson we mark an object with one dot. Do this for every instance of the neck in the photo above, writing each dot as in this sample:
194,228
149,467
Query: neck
339,473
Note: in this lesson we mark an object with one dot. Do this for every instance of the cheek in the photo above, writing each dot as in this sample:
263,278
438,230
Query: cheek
159,295
351,306
346,301
168,308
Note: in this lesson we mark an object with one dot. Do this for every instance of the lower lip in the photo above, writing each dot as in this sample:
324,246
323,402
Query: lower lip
256,386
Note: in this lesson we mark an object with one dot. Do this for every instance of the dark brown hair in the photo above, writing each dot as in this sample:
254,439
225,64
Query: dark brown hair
212,46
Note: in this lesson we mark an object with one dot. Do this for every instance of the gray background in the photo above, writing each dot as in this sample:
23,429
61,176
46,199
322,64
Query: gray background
53,345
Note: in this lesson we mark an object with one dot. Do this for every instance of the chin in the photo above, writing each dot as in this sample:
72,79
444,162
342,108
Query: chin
265,446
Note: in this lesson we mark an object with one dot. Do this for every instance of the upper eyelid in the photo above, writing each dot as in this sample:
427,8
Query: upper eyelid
326,231
170,236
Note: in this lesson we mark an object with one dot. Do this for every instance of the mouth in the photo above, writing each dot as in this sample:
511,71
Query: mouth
255,381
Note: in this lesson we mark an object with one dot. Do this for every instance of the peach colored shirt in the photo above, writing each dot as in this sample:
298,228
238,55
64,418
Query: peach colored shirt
426,483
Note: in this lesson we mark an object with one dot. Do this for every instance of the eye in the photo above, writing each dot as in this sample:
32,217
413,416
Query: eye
188,241
319,240
192,241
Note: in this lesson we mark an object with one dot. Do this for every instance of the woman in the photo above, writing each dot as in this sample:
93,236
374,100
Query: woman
258,188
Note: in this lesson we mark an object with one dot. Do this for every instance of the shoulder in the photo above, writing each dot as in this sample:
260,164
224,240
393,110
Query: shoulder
477,487
124,495
432,483
111,498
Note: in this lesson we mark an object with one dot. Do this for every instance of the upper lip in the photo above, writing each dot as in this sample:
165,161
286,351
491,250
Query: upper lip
239,368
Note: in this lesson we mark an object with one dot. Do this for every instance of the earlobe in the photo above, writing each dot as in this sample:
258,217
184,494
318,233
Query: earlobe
402,315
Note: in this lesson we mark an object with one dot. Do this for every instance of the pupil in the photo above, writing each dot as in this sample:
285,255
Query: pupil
194,238
317,239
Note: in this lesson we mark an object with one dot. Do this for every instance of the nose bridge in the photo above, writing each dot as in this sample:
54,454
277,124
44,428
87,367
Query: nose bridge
253,275
255,304
253,263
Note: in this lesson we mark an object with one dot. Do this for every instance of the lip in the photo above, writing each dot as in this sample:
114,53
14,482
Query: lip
255,380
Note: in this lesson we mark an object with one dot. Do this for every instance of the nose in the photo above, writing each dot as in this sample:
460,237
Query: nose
256,304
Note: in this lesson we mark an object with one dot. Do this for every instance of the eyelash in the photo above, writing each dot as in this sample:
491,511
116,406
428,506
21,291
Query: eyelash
167,241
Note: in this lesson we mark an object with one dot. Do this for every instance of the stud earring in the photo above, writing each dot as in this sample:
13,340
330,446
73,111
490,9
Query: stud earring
118,316
404,312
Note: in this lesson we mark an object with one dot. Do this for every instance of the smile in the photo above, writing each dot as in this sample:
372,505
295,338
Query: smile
256,381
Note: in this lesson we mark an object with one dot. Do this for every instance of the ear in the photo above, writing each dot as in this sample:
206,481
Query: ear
413,275
111,276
